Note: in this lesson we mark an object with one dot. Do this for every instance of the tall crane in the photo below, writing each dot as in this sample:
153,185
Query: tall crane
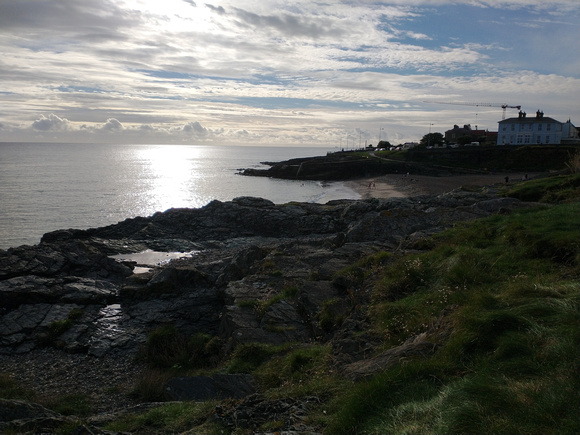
503,106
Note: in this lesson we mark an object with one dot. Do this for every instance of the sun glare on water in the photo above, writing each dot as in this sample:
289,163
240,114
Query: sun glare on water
172,171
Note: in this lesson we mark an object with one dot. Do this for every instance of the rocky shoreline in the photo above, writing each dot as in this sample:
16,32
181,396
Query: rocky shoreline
73,318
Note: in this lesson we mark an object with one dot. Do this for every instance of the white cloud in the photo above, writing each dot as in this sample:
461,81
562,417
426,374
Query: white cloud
50,123
112,125
195,128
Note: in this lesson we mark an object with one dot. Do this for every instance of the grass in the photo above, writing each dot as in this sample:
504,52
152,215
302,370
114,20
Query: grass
563,188
169,418
261,306
510,364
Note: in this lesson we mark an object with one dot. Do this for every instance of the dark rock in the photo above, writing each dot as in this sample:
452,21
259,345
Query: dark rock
201,388
255,410
17,416
249,250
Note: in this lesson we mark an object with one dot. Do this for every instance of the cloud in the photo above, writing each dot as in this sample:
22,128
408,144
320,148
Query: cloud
112,125
195,128
217,9
50,123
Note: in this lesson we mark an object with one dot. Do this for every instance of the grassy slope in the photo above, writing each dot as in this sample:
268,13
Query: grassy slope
510,364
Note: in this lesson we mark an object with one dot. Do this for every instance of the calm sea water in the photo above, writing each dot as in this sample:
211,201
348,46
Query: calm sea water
48,186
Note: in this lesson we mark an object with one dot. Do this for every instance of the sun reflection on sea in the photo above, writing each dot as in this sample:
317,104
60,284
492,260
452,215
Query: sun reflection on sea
171,174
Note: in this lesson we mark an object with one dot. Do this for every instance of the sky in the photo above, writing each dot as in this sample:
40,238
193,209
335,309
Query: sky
280,73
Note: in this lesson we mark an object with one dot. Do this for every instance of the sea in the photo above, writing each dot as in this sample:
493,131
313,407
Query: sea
51,186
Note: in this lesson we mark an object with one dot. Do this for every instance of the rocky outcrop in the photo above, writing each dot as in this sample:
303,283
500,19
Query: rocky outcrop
68,291
254,272
346,166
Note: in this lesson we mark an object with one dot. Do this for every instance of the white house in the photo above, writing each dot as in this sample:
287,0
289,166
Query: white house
539,130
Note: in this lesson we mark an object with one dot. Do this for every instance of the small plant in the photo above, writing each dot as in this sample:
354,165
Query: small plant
261,306
11,389
177,417
53,331
71,404
331,314
248,356
167,348
573,163
151,386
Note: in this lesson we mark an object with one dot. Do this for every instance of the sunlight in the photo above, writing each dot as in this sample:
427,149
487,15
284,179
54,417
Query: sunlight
172,171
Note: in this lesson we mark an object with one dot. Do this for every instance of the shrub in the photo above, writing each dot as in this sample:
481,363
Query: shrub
167,348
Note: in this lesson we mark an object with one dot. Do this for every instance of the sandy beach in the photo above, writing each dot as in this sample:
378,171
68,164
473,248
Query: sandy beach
396,185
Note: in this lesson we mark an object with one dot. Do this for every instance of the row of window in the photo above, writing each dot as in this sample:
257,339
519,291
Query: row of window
530,127
526,139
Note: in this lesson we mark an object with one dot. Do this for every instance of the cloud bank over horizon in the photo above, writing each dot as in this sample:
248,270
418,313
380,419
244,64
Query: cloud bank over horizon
270,72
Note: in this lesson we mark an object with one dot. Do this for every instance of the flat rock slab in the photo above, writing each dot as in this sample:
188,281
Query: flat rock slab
202,388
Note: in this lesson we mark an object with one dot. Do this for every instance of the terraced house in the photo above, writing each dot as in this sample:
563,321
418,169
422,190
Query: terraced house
539,130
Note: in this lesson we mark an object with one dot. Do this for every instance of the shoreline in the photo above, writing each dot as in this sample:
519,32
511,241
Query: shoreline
404,186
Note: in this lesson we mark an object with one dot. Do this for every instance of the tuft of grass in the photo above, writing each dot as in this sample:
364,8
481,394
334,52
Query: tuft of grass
167,348
247,357
294,369
151,386
78,405
176,417
11,389
261,306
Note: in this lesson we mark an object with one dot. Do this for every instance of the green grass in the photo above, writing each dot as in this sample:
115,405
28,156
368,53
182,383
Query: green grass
551,189
169,418
510,364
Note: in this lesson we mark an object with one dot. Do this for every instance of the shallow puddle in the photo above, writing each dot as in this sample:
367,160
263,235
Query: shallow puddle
149,258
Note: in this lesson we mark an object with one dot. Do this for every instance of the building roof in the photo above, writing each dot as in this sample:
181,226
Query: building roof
528,120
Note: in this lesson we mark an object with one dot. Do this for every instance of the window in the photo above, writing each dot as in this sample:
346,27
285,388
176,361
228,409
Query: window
513,127
539,127
539,139
547,139
520,138
548,127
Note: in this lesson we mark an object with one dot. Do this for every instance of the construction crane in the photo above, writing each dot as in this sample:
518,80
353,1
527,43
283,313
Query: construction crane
503,106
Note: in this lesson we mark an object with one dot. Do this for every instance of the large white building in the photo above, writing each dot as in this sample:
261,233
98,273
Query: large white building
538,130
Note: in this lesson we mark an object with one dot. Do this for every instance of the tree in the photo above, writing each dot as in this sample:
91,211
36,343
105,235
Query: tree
384,144
432,139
